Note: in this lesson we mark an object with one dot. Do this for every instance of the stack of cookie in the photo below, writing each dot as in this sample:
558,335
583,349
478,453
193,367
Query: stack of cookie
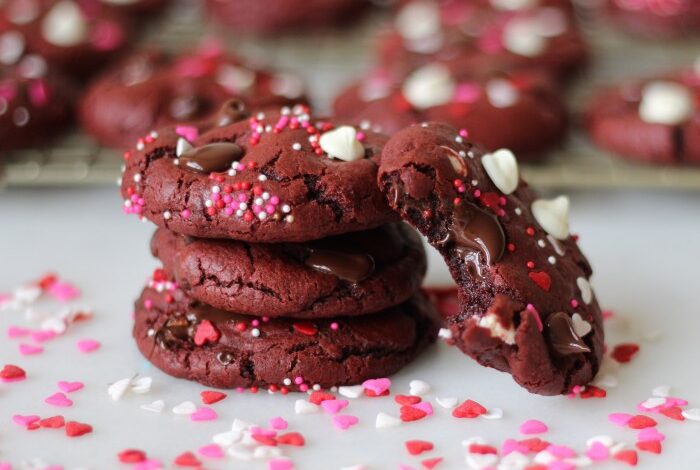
283,266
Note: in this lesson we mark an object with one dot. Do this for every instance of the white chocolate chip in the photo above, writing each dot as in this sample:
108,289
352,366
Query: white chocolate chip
665,102
492,323
429,86
553,216
585,287
342,143
502,168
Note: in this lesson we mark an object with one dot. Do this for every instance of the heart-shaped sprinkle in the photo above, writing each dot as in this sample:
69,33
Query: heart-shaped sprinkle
280,464
333,406
542,279
627,456
187,459
76,429
14,332
342,143
183,145
88,345
406,399
141,385
424,406
317,397
692,414
409,413
429,464
553,216
581,326
30,350
533,426
59,399
69,387
190,133
344,421
469,409
378,386
653,402
598,452
156,407
210,397
653,447
641,422
650,434
447,402
131,456
303,407
352,391
431,85
206,333
417,447
418,388
203,414
25,420
212,451
673,412
11,373
502,168
54,422
621,419
227,439
291,439
385,420
666,102
586,291
117,390
278,423
494,413
185,408
623,353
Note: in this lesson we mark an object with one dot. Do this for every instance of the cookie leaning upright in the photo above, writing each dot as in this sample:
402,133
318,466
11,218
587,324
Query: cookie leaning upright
277,176
526,305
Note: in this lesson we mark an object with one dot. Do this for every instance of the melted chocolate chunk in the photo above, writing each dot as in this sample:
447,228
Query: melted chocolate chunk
224,358
231,111
562,335
211,157
353,267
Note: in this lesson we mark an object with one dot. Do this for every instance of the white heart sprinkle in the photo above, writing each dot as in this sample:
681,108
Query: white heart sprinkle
226,439
665,102
607,441
156,407
185,408
64,25
385,420
266,452
303,407
653,402
429,86
240,452
57,325
514,460
353,391
418,388
183,145
239,425
661,391
481,461
585,287
447,402
494,413
553,216
502,168
141,385
692,414
581,326
342,143
117,390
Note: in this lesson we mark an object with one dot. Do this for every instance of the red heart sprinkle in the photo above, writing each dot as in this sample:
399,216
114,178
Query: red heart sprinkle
673,412
417,447
406,399
53,422
206,333
291,439
76,429
33,426
469,409
371,393
542,279
131,456
627,456
305,328
187,459
482,449
265,440
409,413
591,391
317,397
649,446
624,353
534,444
209,396
641,422
431,463
10,372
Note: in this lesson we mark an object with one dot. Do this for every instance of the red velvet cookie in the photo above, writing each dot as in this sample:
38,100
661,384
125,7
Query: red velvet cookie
525,302
507,34
656,18
652,120
281,176
151,89
521,110
191,340
75,36
352,274
273,16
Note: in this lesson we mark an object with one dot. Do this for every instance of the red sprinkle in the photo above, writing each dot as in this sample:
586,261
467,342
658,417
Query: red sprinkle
417,447
209,396
54,422
10,373
624,353
407,399
409,413
429,464
649,446
291,439
305,328
627,456
206,333
641,422
76,429
317,397
542,279
131,456
187,459
469,409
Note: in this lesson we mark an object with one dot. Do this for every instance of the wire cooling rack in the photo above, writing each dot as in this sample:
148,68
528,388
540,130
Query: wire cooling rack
329,60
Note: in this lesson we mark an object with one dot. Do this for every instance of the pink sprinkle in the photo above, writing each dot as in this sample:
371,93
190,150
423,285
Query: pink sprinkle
150,464
563,452
25,421
334,406
378,386
511,445
28,349
334,326
344,421
188,132
536,315
533,426
148,303
63,291
59,399
650,434
203,414
621,419
69,387
212,451
424,406
88,345
258,431
186,214
17,332
107,35
41,336
278,423
38,93
467,92
598,452
280,464
561,465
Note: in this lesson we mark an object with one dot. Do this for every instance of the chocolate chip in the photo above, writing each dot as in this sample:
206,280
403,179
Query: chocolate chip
211,157
562,335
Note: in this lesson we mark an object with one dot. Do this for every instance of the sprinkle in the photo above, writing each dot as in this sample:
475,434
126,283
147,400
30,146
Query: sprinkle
344,421
333,406
185,408
469,409
29,350
203,414
623,353
59,399
447,402
88,345
210,397
212,451
385,420
155,407
418,388
303,407
11,373
117,390
352,391
76,429
25,421
533,426
417,447
377,386
131,456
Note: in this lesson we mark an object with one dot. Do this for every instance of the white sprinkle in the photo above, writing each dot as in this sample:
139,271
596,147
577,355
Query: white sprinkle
289,219
303,407
167,215
215,189
444,333
266,195
287,381
286,209
208,203
385,420
255,332
661,391
541,243
262,178
692,414
447,402
137,177
117,390
494,413
262,215
296,146
156,407
185,408
353,391
418,388
552,260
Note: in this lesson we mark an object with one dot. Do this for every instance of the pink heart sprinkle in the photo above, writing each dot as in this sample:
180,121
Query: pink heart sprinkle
405,467
63,291
598,452
150,464
212,451
69,387
650,434
258,431
188,132
17,332
533,426
59,399
28,349
25,421
621,419
563,452
41,336
672,401
280,464
344,421
5,466
511,445
424,406
561,465
88,345
278,423
378,386
333,406
203,414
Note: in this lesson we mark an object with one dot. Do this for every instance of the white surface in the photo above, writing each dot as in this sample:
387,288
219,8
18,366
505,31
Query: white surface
645,249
